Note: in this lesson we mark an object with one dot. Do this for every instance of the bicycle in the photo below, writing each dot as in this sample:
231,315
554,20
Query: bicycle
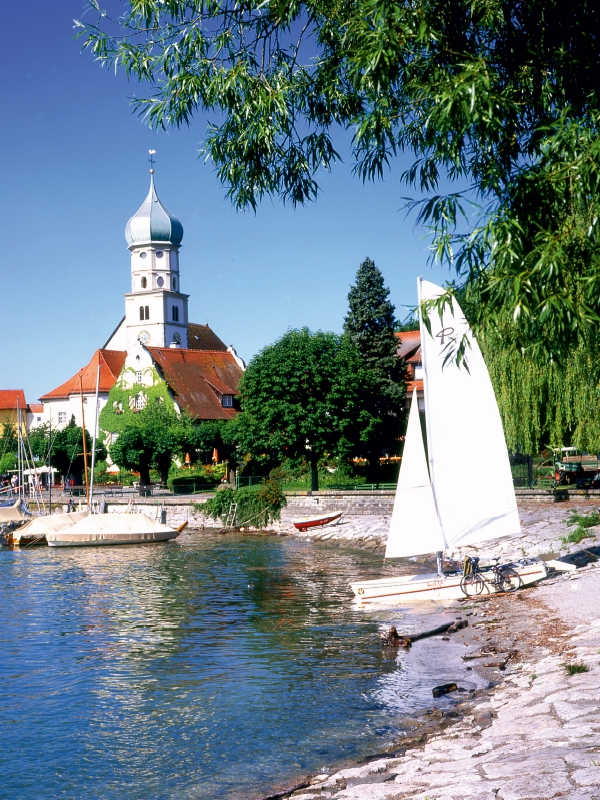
504,578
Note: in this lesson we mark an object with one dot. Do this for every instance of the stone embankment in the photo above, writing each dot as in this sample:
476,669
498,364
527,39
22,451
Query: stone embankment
535,737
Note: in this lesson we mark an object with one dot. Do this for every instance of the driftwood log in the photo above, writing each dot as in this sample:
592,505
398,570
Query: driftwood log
393,638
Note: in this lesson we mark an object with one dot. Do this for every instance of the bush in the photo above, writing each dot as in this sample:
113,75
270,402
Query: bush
256,505
208,474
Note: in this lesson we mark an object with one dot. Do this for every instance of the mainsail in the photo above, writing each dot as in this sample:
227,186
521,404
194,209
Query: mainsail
414,527
468,460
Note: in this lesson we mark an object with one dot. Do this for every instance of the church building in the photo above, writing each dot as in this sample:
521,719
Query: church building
154,351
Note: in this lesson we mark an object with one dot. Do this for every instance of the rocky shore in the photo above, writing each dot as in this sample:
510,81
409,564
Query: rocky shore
535,733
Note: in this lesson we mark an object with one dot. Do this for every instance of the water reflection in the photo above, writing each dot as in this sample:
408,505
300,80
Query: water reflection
211,667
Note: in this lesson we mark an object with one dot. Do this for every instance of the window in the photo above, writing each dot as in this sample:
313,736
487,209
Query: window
159,254
174,284
138,377
227,401
147,313
140,401
143,255
160,281
144,283
62,417
175,314
141,312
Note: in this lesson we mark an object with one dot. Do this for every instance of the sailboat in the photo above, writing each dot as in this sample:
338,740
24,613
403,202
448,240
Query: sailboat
461,491
106,529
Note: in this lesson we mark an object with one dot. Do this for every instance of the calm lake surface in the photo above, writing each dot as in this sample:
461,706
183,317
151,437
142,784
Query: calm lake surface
213,667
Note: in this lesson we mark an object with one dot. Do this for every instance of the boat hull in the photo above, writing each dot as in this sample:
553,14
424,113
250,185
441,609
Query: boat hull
419,588
66,539
112,529
315,522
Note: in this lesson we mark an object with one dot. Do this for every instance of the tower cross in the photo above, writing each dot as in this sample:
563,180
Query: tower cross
151,160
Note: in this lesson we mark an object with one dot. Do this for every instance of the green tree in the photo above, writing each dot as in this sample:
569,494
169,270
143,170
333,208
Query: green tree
211,434
8,440
305,396
67,450
39,441
498,97
151,439
370,325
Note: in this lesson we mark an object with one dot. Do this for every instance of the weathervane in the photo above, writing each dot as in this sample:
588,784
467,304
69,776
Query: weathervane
151,160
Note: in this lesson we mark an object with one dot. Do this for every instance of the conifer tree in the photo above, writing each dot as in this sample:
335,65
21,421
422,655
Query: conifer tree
370,325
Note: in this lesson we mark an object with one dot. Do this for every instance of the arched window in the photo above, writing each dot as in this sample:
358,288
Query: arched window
144,283
141,312
174,284
147,313
175,314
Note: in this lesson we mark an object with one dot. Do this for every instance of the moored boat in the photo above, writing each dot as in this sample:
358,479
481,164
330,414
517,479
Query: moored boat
315,522
112,529
36,530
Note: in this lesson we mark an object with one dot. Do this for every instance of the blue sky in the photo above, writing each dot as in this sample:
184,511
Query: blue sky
74,169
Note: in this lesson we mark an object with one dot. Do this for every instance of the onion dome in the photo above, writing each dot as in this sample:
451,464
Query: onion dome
153,223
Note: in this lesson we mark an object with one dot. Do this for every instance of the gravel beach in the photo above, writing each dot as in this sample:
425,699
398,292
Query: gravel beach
535,733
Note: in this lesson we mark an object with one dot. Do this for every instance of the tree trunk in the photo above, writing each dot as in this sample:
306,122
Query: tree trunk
144,475
314,475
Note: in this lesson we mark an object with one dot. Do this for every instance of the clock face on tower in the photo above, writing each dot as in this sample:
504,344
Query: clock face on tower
143,337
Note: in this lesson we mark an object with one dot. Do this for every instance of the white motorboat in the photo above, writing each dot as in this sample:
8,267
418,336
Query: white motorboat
461,493
111,529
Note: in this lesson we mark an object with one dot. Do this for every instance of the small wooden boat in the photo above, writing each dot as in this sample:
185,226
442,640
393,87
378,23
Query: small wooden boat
315,522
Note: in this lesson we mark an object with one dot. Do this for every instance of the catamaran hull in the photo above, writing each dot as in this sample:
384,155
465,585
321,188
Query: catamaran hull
418,588
93,539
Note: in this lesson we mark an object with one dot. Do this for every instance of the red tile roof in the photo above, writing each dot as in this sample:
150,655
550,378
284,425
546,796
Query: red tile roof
8,399
201,337
194,375
409,348
111,364
36,408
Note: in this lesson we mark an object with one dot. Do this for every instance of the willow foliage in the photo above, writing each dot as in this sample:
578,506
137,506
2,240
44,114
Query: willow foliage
546,403
498,97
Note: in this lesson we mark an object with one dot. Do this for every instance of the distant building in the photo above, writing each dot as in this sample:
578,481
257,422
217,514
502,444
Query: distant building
409,348
154,343
11,400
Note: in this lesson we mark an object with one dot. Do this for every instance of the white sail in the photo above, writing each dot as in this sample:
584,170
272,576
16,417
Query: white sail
468,459
415,527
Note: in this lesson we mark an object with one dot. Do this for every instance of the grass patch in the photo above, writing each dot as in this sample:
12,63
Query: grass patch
576,669
583,522
533,676
576,536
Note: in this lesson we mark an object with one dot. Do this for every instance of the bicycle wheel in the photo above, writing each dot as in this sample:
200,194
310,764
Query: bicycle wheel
471,584
509,580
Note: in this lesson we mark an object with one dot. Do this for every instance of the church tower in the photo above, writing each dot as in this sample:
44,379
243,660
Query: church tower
156,312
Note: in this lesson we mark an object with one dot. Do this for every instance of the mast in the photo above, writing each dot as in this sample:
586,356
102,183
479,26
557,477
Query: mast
50,465
424,332
85,466
94,435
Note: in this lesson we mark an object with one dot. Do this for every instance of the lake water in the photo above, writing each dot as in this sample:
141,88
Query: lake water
213,667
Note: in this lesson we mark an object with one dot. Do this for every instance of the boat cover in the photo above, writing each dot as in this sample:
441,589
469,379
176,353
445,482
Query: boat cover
14,513
40,526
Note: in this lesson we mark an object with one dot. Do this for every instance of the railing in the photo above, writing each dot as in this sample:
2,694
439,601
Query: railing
194,488
248,480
